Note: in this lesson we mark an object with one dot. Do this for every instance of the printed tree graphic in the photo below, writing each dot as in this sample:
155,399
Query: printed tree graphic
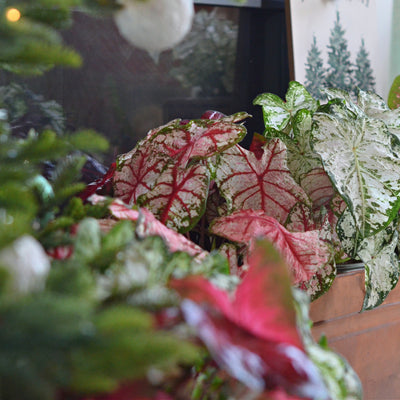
339,74
364,78
315,71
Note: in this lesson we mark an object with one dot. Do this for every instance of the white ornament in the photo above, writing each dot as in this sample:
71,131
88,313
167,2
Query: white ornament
154,25
27,263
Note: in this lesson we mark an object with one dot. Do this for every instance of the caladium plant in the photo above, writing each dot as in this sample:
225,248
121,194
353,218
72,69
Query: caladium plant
356,146
190,174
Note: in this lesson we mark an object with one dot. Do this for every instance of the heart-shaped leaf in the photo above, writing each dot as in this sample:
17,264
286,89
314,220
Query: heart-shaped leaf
173,143
265,184
179,196
200,138
148,225
357,155
375,107
381,266
301,157
318,186
277,113
253,336
138,172
300,219
304,252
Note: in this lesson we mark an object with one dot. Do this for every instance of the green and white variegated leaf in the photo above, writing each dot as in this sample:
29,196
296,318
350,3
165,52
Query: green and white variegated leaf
357,155
375,107
348,234
333,94
301,158
278,113
381,266
340,379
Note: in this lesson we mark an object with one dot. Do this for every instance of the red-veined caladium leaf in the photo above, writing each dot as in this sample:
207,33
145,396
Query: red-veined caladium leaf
137,174
300,219
277,113
318,186
148,225
200,138
179,196
304,252
253,335
265,184
173,143
357,155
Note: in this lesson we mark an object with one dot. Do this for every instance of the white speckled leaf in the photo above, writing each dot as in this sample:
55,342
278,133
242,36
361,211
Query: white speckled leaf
381,266
348,234
278,113
179,196
301,157
375,107
259,184
357,155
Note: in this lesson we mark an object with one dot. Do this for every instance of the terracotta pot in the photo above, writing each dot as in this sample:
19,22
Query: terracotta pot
370,341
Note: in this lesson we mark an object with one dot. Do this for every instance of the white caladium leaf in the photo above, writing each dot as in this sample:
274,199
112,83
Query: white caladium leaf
381,266
259,184
374,106
348,234
318,186
304,252
346,100
300,155
320,282
179,196
357,155
278,113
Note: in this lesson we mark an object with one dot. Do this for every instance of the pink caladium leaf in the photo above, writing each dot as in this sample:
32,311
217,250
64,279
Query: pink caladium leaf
300,219
148,225
200,138
253,335
179,197
229,250
138,173
173,143
265,184
304,252
318,186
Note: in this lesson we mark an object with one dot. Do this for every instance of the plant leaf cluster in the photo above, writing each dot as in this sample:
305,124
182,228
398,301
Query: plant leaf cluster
355,145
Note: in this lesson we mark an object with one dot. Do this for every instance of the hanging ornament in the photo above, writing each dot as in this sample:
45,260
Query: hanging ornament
154,25
27,265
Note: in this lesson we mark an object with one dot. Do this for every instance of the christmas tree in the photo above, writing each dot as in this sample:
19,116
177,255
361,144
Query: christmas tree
339,74
315,71
364,78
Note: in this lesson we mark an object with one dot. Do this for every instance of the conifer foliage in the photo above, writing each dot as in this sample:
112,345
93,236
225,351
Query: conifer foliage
339,74
315,71
364,78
